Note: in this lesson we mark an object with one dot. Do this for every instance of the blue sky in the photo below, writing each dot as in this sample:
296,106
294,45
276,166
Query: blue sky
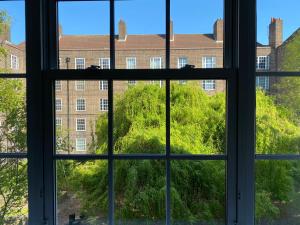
147,16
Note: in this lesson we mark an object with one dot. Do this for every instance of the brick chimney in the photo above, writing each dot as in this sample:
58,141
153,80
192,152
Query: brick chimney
60,30
5,32
218,30
122,31
171,31
275,32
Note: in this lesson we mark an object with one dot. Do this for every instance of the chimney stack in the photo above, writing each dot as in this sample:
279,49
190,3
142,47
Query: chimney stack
122,31
5,32
218,30
171,31
60,30
275,32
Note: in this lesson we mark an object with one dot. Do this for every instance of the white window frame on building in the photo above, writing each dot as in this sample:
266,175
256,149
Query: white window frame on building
59,63
131,82
58,104
155,62
263,82
182,82
14,62
182,62
80,104
80,147
79,63
103,85
131,63
58,85
103,103
104,63
58,123
80,124
209,85
79,85
262,62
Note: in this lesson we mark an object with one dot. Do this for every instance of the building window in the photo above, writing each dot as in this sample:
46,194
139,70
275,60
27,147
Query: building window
59,63
263,83
58,123
157,82
209,85
58,104
103,104
79,63
155,63
104,63
262,63
131,63
103,85
208,62
80,124
182,61
182,81
80,144
14,62
79,85
132,82
57,85
80,104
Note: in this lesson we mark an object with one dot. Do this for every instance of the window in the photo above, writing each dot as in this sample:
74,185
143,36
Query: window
80,124
103,85
208,62
79,85
157,82
58,104
59,62
155,63
263,83
14,62
209,85
103,104
58,124
57,85
131,63
262,62
80,104
80,144
182,81
104,63
182,61
132,82
79,63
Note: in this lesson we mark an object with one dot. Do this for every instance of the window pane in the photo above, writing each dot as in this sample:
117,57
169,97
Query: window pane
278,35
277,192
81,107
12,116
198,192
12,37
139,117
198,117
196,33
83,34
140,34
13,191
82,188
277,115
140,187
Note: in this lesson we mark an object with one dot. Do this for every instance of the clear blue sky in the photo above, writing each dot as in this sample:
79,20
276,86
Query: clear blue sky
147,16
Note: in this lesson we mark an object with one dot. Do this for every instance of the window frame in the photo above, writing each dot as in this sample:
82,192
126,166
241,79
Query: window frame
77,85
128,59
76,145
101,63
82,119
103,104
76,63
83,106
14,62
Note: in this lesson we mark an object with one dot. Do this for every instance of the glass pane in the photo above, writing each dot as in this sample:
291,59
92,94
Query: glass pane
12,37
83,34
82,191
196,34
12,116
277,115
198,192
198,117
277,35
139,117
277,192
13,191
81,116
140,188
140,34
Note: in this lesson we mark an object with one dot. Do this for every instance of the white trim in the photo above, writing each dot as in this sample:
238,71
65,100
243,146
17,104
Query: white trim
77,144
101,62
210,83
153,59
102,107
213,62
77,105
76,85
58,87
267,62
178,62
16,67
60,125
76,63
61,104
128,59
101,85
84,119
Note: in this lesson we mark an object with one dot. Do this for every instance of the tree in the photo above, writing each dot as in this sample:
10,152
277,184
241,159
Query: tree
197,187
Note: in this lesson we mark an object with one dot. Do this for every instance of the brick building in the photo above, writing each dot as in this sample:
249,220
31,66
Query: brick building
79,103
